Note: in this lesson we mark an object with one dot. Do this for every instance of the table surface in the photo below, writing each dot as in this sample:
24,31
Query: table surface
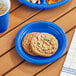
11,64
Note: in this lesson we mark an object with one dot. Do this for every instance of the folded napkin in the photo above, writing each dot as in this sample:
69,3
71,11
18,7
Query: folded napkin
69,67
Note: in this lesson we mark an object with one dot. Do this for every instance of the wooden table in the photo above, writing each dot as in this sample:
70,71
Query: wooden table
11,64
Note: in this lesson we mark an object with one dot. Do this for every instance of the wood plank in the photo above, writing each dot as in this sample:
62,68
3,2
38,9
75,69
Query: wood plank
19,15
9,60
62,22
54,69
25,68
14,4
67,19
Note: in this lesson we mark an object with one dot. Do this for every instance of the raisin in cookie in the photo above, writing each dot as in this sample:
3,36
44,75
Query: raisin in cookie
44,44
26,43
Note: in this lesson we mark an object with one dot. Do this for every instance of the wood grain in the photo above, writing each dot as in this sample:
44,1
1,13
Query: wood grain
54,69
9,60
20,15
14,4
67,19
28,69
62,22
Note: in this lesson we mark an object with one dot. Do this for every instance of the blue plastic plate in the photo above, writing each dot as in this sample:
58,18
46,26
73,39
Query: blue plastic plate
41,26
43,4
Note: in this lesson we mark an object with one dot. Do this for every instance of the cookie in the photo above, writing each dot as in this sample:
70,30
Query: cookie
44,44
26,43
